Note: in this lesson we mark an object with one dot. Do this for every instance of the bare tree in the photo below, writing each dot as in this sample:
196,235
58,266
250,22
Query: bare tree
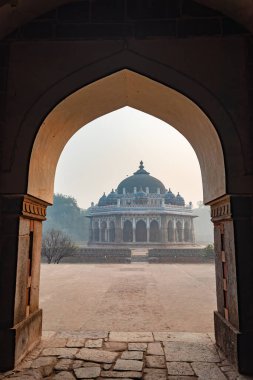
56,245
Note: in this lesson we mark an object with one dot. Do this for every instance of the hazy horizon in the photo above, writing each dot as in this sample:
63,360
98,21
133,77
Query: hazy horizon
107,150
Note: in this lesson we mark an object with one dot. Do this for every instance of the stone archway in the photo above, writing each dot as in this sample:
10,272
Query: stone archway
126,88
103,231
141,231
96,231
154,234
128,231
111,231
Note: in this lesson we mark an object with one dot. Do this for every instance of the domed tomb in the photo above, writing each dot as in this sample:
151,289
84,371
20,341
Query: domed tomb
141,211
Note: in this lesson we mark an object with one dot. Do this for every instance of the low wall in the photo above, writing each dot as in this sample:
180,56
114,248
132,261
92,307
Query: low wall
99,255
180,255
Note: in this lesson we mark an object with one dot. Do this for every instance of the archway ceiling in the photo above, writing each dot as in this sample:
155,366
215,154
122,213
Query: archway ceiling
14,13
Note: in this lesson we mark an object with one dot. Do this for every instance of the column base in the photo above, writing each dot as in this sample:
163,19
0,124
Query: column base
19,340
237,346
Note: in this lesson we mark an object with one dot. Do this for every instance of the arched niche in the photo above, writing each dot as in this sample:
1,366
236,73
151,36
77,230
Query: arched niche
125,88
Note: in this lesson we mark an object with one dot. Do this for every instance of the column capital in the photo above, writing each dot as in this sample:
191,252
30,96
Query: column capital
231,207
221,209
24,205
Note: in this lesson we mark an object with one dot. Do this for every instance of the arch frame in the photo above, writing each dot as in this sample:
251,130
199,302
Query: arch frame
125,88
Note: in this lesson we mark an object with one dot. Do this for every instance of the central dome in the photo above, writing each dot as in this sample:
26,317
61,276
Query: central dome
140,181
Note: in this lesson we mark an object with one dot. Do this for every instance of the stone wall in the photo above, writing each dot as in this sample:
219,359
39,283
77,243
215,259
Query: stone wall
99,255
183,255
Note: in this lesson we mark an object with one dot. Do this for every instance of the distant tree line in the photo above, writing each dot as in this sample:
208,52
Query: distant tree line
66,216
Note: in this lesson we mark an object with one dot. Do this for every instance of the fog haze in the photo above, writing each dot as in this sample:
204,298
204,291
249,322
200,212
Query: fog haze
100,155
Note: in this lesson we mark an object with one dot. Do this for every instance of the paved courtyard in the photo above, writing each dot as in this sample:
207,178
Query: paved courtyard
104,355
122,297
150,311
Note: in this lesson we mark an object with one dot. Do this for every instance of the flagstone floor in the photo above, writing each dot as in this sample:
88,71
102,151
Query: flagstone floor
70,355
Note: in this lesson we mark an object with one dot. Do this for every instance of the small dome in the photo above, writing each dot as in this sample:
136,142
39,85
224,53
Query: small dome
170,198
102,200
141,197
111,198
180,200
140,194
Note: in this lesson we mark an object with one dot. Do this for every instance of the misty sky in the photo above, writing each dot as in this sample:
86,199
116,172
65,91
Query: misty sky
101,154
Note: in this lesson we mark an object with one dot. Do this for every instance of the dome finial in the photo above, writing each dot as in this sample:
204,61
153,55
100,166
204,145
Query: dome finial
141,169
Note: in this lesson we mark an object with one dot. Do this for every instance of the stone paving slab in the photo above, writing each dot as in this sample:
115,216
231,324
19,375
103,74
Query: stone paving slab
155,374
155,349
137,346
114,378
121,374
87,373
116,346
57,342
208,371
128,365
179,369
64,365
183,378
131,337
73,342
83,334
94,343
99,356
182,337
64,376
44,361
155,362
59,351
190,352
132,355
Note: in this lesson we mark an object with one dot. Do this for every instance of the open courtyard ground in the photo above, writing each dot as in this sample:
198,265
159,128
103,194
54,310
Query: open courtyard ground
135,297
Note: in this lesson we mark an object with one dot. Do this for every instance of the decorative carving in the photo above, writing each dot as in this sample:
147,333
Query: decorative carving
34,209
221,209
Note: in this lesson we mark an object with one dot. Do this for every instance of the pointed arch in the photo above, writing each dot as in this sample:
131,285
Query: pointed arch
125,88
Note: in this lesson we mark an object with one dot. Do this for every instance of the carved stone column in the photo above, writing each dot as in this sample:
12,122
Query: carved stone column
134,230
20,317
163,229
174,231
91,233
233,226
192,232
183,231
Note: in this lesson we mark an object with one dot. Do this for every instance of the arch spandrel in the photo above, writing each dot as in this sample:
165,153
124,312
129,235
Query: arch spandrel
125,88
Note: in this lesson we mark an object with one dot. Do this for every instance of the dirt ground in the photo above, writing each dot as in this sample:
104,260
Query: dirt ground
136,297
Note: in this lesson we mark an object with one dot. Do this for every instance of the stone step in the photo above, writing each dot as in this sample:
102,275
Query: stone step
139,258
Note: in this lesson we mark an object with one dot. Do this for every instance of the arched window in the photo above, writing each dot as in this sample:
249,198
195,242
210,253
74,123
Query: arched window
103,231
111,231
187,231
141,231
179,232
170,231
96,231
154,234
128,231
